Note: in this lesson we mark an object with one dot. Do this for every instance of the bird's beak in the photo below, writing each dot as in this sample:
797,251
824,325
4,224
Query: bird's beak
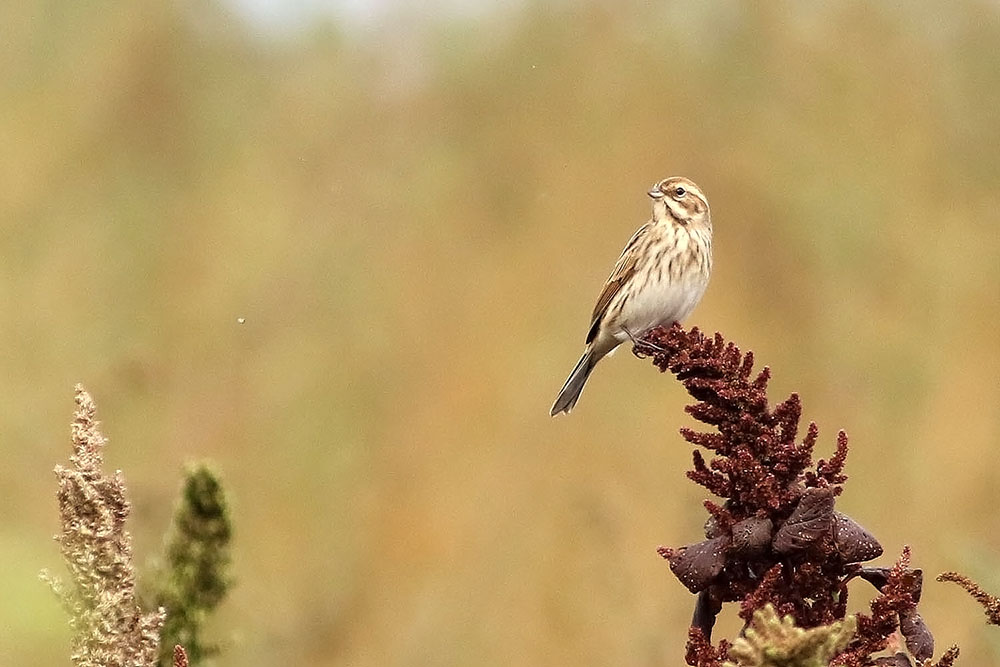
655,194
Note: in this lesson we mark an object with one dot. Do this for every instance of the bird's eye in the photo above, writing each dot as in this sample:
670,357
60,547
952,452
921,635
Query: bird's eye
680,192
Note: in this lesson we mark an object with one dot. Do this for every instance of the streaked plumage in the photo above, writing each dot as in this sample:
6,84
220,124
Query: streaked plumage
658,280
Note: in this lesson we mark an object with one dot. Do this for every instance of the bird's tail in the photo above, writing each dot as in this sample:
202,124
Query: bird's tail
570,392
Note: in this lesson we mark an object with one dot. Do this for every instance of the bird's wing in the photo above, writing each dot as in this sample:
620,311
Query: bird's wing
623,271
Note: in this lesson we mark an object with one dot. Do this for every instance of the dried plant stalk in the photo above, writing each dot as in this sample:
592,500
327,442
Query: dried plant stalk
109,626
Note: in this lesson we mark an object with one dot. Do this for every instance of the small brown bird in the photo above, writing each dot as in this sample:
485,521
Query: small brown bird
659,279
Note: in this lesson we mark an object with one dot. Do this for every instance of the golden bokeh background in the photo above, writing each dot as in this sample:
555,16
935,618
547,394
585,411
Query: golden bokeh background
413,214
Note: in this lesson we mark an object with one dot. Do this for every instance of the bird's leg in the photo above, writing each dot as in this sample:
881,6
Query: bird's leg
640,345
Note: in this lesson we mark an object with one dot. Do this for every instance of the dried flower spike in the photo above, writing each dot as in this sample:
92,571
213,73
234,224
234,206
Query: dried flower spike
109,626
990,603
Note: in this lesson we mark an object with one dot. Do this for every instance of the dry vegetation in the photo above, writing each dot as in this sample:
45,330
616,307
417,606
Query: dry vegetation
414,220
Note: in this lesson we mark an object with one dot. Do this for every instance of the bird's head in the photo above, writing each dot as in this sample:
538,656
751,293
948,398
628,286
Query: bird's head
679,200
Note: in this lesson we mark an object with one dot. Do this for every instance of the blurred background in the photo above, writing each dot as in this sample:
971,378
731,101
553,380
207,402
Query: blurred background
414,210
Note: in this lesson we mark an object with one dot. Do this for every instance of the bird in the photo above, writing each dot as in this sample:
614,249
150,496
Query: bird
658,280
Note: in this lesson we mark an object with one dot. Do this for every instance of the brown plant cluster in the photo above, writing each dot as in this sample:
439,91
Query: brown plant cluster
776,539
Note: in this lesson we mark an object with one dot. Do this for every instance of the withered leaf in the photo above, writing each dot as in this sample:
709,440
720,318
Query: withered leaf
696,565
878,577
809,522
854,543
706,609
914,580
751,537
919,640
712,527
898,660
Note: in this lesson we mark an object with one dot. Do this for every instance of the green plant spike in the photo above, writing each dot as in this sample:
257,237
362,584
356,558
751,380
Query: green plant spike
192,577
